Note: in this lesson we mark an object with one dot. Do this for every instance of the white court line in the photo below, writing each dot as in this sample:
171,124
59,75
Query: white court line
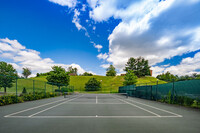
96,116
34,107
138,107
91,103
53,106
96,99
156,108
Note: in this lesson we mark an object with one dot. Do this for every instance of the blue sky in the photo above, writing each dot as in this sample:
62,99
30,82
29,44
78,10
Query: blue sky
91,34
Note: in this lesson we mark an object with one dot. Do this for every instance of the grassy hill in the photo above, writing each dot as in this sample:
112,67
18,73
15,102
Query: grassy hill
109,84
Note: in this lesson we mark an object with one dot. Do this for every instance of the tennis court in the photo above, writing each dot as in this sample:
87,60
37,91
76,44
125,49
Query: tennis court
98,113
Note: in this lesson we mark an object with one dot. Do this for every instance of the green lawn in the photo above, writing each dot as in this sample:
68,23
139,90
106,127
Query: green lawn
109,84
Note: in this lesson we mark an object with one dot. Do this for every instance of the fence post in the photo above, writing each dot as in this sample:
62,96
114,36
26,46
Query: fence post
172,98
156,89
45,86
16,91
34,89
146,90
151,93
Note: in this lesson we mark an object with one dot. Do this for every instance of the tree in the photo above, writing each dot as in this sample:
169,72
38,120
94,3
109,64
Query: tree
26,72
111,71
130,78
139,66
87,74
168,77
72,70
59,76
92,85
8,75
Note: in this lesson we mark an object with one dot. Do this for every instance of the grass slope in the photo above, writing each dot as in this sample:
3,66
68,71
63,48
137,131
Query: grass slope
109,84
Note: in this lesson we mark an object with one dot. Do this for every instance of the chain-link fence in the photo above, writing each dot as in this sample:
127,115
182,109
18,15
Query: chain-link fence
173,92
19,89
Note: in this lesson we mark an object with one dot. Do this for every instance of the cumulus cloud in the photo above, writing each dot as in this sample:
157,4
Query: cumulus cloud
105,66
23,57
102,56
188,66
69,3
155,30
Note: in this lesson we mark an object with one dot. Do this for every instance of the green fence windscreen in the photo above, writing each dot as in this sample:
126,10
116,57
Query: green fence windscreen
189,88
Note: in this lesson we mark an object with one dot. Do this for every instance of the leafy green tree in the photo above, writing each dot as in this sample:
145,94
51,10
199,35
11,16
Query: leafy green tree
8,75
111,71
87,74
167,77
59,76
26,72
92,85
130,78
139,66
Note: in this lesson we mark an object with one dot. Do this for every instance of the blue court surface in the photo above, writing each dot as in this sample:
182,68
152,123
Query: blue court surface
98,113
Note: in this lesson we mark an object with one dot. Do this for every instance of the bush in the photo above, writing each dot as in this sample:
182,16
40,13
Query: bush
24,91
92,85
11,99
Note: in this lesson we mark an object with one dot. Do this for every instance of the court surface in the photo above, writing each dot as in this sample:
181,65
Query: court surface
97,113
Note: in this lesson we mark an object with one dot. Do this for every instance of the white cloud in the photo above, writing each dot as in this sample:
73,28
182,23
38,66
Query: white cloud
83,7
188,66
151,29
76,21
92,3
98,46
22,57
105,66
94,27
102,56
69,3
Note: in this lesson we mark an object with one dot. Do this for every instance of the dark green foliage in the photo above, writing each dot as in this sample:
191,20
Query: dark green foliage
111,71
42,74
11,99
139,66
8,75
24,91
92,85
26,72
167,77
59,76
130,78
67,89
86,74
170,77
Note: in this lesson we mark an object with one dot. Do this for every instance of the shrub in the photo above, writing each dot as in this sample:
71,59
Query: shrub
92,85
24,91
188,101
11,99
